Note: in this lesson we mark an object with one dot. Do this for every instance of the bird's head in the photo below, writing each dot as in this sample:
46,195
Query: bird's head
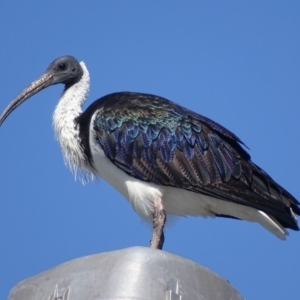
66,70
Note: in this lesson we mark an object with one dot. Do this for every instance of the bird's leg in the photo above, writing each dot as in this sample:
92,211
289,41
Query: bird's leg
159,220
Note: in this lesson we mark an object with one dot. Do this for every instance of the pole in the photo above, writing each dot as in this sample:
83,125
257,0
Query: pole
137,273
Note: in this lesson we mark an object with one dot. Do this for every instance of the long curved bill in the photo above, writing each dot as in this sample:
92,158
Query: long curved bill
36,86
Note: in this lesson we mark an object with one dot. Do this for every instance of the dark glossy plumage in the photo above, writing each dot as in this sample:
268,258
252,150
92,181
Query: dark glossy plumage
155,140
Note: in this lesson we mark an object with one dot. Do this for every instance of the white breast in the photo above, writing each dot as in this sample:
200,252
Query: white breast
139,194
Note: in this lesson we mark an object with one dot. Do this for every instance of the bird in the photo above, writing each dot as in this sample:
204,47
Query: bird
165,159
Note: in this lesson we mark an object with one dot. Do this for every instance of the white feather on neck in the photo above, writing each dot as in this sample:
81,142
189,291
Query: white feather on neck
67,110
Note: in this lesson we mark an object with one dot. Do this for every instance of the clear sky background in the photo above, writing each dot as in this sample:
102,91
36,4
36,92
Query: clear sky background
236,62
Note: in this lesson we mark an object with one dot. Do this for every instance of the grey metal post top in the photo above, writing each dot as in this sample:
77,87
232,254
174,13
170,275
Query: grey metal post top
136,273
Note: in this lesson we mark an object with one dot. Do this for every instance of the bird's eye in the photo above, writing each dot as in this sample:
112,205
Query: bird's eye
62,66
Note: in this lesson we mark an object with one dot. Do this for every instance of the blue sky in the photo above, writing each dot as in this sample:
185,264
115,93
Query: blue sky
236,62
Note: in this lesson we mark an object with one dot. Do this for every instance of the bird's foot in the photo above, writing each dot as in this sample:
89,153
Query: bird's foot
159,220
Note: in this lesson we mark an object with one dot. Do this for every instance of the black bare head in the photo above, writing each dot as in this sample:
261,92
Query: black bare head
66,70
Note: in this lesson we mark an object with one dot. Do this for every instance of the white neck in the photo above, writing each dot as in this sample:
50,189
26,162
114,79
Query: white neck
68,108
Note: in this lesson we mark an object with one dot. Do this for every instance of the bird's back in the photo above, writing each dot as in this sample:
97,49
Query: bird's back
155,140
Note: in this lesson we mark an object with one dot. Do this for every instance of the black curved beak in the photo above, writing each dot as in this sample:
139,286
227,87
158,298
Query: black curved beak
39,84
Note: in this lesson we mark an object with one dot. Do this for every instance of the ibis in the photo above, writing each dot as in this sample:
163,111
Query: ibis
162,157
